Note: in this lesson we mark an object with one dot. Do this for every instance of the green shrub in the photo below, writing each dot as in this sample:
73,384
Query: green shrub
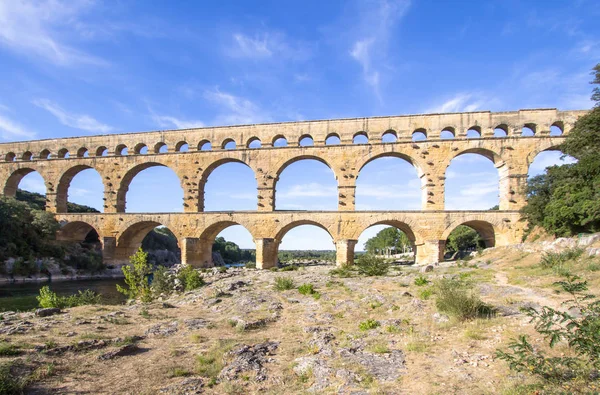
343,272
284,283
25,268
190,278
47,298
250,265
289,268
371,265
425,293
574,371
11,382
457,299
136,277
9,350
421,281
368,325
308,289
551,260
162,282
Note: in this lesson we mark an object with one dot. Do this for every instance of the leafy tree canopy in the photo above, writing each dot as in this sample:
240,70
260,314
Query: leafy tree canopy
388,240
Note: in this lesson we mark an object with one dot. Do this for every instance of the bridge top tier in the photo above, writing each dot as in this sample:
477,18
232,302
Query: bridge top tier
403,127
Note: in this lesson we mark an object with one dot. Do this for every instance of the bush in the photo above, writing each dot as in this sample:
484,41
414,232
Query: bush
457,299
343,272
552,260
47,298
136,277
368,325
308,289
370,265
162,282
574,371
289,268
283,283
190,278
25,268
421,281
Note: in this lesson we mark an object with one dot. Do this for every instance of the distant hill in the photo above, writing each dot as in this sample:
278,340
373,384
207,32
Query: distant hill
37,201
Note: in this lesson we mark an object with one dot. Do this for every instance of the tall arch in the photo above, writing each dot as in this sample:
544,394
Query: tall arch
13,181
475,179
389,181
372,229
302,183
485,229
546,156
235,187
62,189
235,232
134,171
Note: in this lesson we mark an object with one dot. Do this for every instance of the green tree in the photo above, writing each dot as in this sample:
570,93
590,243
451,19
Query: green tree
564,201
136,277
463,238
388,240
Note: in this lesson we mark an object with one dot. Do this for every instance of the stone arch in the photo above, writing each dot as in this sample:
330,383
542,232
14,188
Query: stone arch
333,139
227,143
63,153
160,148
501,130
12,183
400,155
82,152
357,136
305,138
121,150
140,149
486,230
279,141
75,231
208,171
282,231
407,227
10,157
102,151
543,145
62,189
486,153
559,128
27,155
128,177
45,154
212,231
475,132
419,134
447,133
204,145
294,159
529,130
182,146
389,136
253,142
133,235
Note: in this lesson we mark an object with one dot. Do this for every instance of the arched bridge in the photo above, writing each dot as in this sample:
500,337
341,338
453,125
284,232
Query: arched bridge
429,142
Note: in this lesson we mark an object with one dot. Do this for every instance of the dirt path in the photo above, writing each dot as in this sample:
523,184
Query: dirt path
531,295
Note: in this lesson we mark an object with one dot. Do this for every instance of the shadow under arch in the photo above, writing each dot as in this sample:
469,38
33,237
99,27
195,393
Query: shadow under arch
62,189
135,233
129,176
485,229
294,224
76,231
12,182
213,230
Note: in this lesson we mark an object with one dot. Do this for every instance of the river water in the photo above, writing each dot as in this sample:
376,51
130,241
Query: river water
22,296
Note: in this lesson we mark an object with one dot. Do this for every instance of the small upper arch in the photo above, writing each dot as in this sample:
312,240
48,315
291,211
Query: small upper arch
160,148
557,128
474,132
254,142
102,151
63,153
306,140
10,157
447,133
140,149
419,134
182,146
279,141
204,145
83,152
501,130
529,129
121,150
389,136
27,155
228,143
333,139
45,154
360,138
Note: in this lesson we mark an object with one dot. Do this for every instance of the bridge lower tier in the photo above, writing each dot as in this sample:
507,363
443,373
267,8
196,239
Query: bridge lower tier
121,234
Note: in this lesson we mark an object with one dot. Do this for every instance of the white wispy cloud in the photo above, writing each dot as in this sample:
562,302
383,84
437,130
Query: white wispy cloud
167,121
461,102
36,28
375,24
77,121
33,184
10,129
268,44
235,109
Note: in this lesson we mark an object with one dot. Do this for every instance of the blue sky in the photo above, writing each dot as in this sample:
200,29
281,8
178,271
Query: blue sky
71,68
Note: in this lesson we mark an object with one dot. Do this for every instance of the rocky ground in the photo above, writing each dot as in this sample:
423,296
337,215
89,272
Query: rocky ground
238,334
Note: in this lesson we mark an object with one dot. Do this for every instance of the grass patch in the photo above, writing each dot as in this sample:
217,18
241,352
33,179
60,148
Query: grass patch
284,283
179,372
458,299
368,325
9,350
379,348
421,281
308,289
424,293
210,363
417,346
343,272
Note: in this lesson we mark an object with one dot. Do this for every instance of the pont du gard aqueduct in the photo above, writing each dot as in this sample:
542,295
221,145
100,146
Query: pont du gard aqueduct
194,153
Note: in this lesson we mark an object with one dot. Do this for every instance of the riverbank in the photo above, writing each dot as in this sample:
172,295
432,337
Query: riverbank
114,274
